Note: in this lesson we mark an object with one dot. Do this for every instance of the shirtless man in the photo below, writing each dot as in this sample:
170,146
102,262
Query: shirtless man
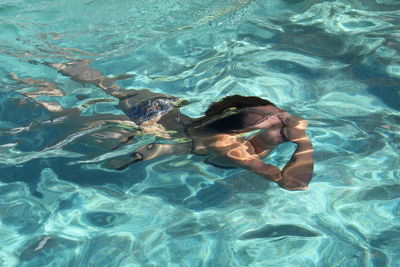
236,131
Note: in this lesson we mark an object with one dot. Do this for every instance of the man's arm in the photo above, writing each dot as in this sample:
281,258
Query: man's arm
243,155
297,173
147,152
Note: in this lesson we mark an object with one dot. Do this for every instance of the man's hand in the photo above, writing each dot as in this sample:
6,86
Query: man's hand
294,134
289,120
294,129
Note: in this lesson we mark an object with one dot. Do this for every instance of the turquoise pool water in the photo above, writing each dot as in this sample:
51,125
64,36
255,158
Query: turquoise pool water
335,63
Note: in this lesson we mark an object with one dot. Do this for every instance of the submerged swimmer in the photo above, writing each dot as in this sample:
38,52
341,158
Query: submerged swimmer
237,131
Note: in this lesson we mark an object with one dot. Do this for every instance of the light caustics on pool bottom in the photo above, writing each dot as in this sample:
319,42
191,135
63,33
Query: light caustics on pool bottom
334,63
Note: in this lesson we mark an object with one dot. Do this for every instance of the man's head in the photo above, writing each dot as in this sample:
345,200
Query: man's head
235,101
228,114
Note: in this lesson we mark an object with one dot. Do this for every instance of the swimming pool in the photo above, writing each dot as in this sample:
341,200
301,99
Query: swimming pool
335,63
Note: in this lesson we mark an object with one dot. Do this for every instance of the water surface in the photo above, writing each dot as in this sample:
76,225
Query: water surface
335,63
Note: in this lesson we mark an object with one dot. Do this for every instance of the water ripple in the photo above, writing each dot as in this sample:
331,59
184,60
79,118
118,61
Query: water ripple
334,63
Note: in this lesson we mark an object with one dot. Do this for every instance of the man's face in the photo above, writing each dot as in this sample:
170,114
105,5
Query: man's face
263,117
269,122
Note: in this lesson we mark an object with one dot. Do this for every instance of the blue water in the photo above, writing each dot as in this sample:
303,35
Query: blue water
335,63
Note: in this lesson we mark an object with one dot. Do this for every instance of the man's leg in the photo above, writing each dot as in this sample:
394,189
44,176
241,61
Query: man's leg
80,71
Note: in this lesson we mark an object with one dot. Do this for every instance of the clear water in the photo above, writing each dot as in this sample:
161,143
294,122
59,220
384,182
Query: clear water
336,63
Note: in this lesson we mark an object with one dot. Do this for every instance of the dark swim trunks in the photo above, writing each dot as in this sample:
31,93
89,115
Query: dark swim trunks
150,108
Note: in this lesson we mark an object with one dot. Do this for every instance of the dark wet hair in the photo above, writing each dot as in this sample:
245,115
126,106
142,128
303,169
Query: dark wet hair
234,121
235,101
